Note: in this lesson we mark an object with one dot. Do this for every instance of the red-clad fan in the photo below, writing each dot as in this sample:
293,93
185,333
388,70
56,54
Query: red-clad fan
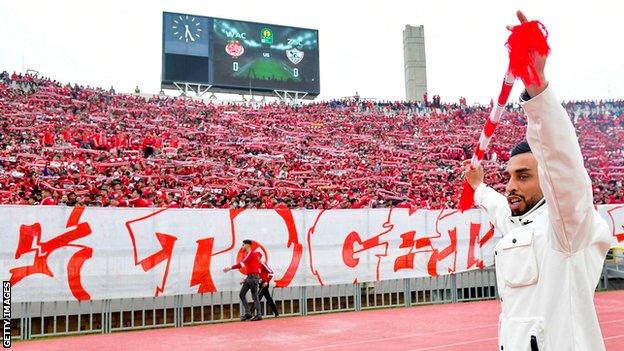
48,138
47,199
251,264
100,140
171,201
137,200
266,275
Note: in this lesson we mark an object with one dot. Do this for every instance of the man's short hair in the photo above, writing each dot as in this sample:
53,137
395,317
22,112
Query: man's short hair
522,148
247,241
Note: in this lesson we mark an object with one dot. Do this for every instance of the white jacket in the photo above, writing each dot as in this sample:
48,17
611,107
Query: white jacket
549,261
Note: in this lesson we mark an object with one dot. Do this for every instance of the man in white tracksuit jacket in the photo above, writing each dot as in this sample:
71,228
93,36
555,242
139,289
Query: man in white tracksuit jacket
554,242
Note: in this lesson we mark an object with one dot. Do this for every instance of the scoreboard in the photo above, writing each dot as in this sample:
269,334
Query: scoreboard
236,56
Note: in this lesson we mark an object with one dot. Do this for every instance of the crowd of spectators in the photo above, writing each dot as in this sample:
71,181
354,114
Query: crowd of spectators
78,145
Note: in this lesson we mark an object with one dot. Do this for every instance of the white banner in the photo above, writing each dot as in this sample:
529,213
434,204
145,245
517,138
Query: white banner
54,253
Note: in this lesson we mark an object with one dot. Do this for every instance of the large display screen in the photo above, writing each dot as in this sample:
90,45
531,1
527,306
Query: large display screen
265,56
234,55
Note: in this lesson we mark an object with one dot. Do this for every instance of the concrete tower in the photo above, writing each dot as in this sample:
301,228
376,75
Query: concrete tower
415,63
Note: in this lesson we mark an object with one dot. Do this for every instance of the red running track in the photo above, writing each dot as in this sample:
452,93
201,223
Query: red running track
452,327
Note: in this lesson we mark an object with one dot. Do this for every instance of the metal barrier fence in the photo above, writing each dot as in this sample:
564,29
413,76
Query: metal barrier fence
44,319
613,268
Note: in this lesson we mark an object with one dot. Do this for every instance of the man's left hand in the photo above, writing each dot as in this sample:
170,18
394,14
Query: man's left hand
539,64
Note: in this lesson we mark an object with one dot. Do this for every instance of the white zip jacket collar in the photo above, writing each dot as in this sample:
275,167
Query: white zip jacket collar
531,215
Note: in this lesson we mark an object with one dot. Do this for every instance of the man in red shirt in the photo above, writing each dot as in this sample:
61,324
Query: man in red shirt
47,199
251,264
137,200
171,202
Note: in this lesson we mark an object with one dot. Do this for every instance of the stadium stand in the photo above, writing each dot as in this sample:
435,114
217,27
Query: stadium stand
78,145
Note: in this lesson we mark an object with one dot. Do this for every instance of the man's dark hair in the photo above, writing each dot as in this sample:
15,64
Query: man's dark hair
521,148
247,241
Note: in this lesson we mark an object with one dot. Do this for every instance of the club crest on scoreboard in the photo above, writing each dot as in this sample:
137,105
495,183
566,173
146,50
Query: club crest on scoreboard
234,48
295,55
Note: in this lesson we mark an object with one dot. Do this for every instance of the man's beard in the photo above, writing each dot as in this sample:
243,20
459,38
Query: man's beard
530,203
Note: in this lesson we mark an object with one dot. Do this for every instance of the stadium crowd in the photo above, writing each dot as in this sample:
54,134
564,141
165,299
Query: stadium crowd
78,145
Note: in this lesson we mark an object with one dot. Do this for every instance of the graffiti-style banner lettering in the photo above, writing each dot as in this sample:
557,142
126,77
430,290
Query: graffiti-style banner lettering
54,253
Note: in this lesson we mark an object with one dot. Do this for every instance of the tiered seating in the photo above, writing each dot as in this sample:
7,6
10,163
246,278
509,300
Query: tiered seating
73,145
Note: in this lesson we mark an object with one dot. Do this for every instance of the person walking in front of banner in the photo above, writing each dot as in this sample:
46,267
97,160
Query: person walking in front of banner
266,275
251,263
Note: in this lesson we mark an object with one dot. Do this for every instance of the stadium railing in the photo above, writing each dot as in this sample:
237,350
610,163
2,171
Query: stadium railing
45,319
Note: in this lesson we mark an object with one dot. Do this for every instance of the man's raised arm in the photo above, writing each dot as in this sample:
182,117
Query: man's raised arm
563,178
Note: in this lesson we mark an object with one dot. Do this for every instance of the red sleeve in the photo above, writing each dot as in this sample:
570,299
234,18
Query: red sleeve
244,262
